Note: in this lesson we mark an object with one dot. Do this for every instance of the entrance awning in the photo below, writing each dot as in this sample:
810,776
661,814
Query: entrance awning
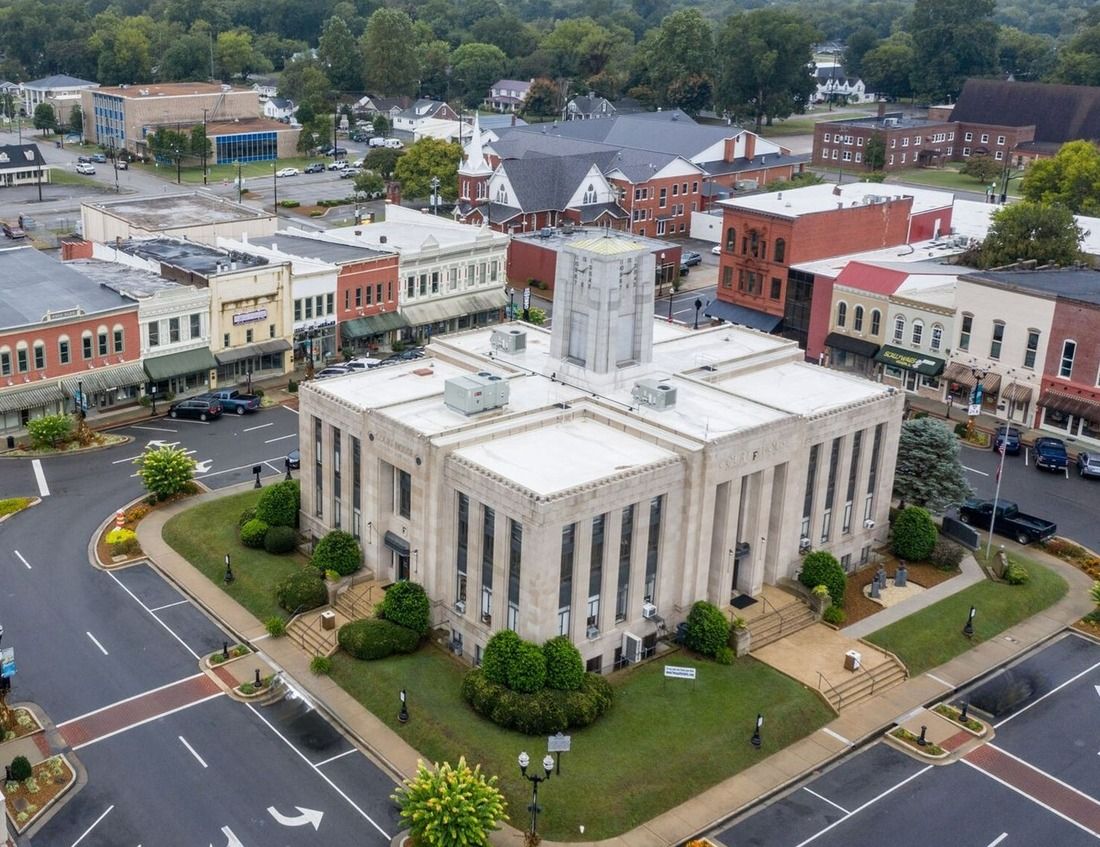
742,315
840,341
964,376
372,325
447,308
180,364
247,351
1071,404
1017,391
105,379
31,396
910,360
396,543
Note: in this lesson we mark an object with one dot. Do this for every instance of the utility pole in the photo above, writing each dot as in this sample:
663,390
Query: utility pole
179,152
205,143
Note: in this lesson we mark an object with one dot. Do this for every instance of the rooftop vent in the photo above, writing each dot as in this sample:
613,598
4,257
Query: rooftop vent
470,395
509,340
651,392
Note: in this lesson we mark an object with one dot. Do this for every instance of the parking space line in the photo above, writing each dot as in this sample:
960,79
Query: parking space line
40,478
158,620
191,750
975,470
281,438
942,682
260,426
337,756
241,468
859,809
1024,794
154,428
1054,690
127,459
316,770
19,556
827,800
187,420
95,641
998,839
95,823
168,605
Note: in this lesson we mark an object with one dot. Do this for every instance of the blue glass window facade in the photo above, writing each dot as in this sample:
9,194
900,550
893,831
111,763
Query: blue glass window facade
245,147
110,129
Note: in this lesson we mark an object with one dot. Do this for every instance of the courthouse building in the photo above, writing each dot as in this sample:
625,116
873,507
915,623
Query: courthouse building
596,480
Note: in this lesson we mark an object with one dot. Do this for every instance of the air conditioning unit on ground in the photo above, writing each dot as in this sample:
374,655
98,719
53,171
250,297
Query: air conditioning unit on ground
632,648
649,611
868,524
509,340
652,392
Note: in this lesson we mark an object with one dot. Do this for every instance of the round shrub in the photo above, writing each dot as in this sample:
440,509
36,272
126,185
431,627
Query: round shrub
246,516
278,504
707,629
540,713
338,551
301,591
500,655
914,534
374,638
275,626
480,692
724,656
564,665
528,671
834,615
120,536
320,665
280,539
946,555
821,568
406,604
1016,574
253,533
20,768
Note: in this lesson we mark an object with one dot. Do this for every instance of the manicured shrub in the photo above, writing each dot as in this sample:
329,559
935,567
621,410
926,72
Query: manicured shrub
338,551
528,671
375,638
500,655
542,712
20,768
821,568
275,626
50,430
280,539
724,656
406,604
246,516
165,471
278,504
961,429
301,592
707,629
914,534
564,665
946,554
253,533
123,542
1016,574
834,615
320,665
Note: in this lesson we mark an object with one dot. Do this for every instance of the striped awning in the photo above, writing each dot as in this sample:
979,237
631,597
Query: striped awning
419,314
105,379
1071,404
1017,391
31,396
964,376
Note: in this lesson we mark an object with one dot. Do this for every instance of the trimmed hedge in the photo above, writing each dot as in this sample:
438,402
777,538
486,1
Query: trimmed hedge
280,539
500,655
375,638
539,713
528,671
564,665
246,516
914,535
406,604
946,555
278,504
708,631
338,551
821,568
303,589
253,533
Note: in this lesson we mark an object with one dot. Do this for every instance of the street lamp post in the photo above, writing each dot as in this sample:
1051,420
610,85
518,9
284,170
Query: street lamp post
756,740
286,461
968,629
979,375
698,306
535,779
434,182
240,185
275,183
153,398
228,578
511,303
205,142
403,715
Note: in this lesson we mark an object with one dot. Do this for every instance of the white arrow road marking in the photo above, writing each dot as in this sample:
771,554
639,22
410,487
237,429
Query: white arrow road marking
19,556
156,442
307,816
228,833
127,459
102,649
1097,687
203,466
40,477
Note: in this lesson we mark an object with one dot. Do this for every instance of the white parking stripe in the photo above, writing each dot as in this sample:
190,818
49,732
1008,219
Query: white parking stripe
158,620
19,556
254,428
241,468
95,641
975,470
155,428
827,800
1039,700
192,751
998,839
168,605
40,478
281,438
95,823
334,758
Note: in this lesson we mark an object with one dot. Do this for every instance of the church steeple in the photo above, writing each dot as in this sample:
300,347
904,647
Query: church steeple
474,173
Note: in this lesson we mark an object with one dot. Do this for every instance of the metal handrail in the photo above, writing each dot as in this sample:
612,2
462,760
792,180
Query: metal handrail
839,697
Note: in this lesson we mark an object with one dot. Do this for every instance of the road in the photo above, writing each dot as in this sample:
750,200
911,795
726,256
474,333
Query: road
112,658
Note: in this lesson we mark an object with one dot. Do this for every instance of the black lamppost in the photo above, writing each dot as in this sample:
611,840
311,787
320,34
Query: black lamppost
968,630
257,469
240,185
755,740
287,462
511,303
204,146
698,306
434,182
153,398
535,779
228,578
403,715
977,395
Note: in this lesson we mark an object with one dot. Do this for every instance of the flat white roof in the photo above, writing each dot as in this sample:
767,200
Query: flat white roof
562,456
406,230
386,386
697,348
801,388
933,289
794,202
931,252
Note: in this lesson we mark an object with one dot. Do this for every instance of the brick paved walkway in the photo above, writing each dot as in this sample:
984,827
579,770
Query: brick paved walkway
82,731
1033,783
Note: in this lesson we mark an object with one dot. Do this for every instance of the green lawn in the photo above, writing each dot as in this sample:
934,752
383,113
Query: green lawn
950,178
220,173
661,743
804,124
205,533
11,505
60,176
932,636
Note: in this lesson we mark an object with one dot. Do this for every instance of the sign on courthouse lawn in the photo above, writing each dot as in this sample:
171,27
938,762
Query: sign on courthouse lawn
676,672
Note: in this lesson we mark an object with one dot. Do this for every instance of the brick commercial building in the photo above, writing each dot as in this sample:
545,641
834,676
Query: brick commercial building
908,142
197,216
765,234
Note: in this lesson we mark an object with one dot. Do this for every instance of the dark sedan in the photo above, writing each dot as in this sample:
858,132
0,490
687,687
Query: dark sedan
691,259
294,459
1088,465
203,408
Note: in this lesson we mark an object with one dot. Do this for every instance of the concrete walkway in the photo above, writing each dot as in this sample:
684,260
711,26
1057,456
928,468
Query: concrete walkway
699,814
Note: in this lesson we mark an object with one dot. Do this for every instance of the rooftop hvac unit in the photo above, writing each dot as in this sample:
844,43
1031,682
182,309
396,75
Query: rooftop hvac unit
632,648
478,393
650,392
509,340
649,611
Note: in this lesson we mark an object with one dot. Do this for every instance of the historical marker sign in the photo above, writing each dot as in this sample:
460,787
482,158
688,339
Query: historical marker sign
676,672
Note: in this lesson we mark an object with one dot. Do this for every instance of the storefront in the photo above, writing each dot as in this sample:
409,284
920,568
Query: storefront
916,372
852,355
450,314
1072,415
315,341
239,365
369,333
181,374
962,387
107,388
23,403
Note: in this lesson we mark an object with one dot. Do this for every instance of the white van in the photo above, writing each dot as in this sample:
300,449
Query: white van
394,143
377,141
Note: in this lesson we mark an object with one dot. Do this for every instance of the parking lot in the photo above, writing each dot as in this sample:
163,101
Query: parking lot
1036,781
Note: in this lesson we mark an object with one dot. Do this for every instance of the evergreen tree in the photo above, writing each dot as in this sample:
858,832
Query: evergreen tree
929,473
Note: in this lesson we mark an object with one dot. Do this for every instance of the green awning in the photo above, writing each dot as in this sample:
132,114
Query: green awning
180,364
910,360
105,379
446,308
372,325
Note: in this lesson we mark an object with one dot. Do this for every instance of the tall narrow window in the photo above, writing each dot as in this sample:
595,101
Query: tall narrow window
173,330
997,341
462,547
1065,364
899,328
404,494
841,313
356,489
515,557
876,321
595,572
830,489
780,251
337,488
853,479
64,354
103,343
488,539
1032,350
653,547
808,496
154,333
731,239
872,474
918,332
626,548
565,577
39,355
937,336
965,329
857,319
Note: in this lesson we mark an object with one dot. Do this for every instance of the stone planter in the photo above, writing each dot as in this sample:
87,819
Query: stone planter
819,604
742,641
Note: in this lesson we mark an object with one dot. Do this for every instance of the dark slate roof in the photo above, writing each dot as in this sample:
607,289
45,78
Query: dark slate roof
636,165
520,84
315,248
16,156
1060,113
197,258
58,81
590,104
589,214
740,165
1071,283
281,103
31,284
546,183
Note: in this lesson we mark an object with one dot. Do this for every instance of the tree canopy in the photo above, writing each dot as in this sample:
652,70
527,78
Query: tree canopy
929,473
1071,179
952,40
1029,231
427,158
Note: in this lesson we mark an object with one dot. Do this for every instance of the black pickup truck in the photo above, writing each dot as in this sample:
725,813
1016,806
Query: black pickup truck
1009,521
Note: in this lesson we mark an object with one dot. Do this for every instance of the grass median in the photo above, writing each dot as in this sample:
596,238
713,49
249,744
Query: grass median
204,534
932,636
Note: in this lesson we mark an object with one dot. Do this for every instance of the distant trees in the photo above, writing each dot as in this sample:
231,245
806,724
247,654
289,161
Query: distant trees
427,158
888,68
678,61
389,55
44,117
1029,231
1079,59
474,68
952,40
339,55
982,168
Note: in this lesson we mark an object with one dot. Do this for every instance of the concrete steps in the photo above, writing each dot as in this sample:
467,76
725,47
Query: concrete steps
775,625
865,683
305,630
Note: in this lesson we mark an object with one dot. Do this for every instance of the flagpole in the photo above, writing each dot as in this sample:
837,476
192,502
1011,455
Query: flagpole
997,493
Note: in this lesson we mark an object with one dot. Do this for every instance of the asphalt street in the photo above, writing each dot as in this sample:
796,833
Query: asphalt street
104,649
1047,727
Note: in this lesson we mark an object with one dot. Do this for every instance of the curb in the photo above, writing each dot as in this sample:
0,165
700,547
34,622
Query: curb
34,502
80,451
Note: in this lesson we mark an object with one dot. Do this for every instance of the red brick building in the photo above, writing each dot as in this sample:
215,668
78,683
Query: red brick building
908,142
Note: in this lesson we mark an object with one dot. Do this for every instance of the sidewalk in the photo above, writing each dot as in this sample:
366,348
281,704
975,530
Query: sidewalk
699,814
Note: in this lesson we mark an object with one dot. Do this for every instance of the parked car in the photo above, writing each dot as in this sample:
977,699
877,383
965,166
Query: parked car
1050,454
99,158
232,400
203,408
716,250
691,259
338,165
377,141
1009,520
359,137
349,173
122,164
335,151
363,363
85,159
1010,437
294,459
407,355
315,168
1088,465
13,231
330,371
684,269
394,144
287,172
85,168
358,163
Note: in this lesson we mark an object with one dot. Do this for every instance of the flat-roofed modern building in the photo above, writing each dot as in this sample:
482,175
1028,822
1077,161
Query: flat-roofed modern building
597,479
196,216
